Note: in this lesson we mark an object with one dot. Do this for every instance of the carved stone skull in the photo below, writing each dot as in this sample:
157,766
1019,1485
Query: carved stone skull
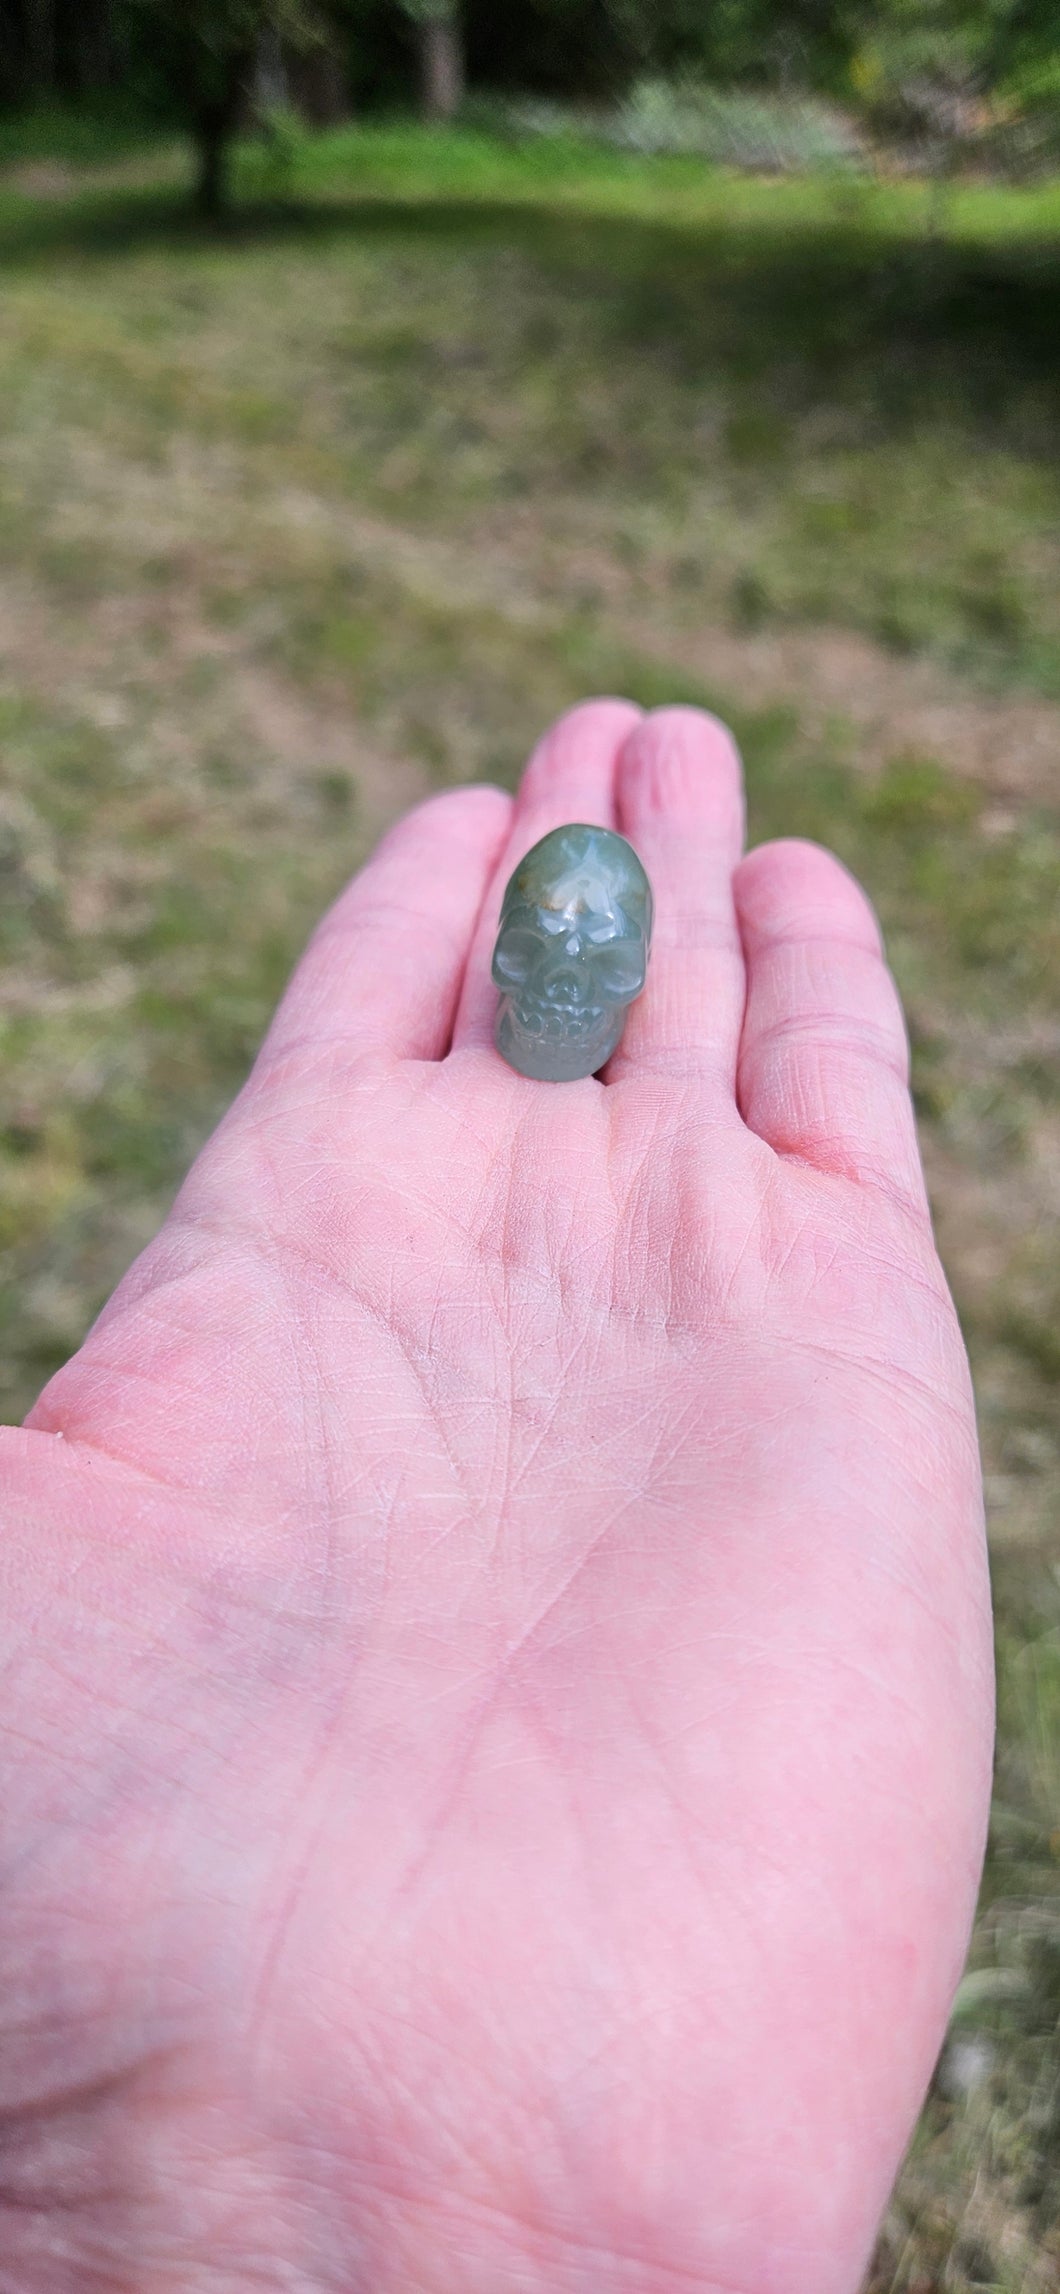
571,952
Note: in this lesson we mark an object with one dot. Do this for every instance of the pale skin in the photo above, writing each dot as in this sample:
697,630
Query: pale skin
497,1683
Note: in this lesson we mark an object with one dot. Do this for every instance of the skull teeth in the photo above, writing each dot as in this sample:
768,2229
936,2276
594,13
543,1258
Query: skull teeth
558,1023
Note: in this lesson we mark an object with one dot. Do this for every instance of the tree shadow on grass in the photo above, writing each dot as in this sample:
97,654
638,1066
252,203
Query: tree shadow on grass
805,312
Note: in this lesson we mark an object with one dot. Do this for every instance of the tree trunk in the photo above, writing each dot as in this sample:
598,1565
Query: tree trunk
211,186
94,54
272,88
443,65
320,86
40,46
215,126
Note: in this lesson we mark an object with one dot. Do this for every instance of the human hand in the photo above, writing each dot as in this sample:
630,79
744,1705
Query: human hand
497,1669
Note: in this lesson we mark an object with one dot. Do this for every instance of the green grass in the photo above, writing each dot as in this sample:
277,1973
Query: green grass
95,135
798,368
444,433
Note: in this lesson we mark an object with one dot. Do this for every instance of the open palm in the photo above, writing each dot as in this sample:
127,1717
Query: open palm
496,1700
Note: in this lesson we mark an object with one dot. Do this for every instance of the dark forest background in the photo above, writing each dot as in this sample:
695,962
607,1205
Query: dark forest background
371,53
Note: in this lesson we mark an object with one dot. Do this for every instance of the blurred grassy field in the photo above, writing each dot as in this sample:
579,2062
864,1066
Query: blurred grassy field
444,434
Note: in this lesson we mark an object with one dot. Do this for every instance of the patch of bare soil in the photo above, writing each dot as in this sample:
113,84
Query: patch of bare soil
40,179
53,179
309,737
85,663
1009,743
896,707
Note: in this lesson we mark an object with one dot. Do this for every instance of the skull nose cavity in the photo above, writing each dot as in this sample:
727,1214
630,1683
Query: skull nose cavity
563,985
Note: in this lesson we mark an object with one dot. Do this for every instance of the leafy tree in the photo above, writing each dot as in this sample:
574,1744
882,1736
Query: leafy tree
923,63
948,70
197,61
1024,59
925,66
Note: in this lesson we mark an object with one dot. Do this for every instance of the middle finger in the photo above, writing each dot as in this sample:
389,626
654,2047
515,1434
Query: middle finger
570,777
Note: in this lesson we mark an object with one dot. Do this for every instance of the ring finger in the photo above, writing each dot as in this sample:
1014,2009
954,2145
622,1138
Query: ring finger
679,798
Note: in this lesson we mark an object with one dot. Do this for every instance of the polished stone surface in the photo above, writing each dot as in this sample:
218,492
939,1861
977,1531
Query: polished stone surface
571,953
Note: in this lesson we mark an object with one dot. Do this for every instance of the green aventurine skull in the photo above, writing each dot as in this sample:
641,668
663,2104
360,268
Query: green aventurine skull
571,953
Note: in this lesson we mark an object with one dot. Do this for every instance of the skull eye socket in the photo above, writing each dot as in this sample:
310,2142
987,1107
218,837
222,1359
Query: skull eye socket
619,970
514,957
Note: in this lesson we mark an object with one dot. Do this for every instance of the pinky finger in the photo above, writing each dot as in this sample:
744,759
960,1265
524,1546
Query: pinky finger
824,1064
